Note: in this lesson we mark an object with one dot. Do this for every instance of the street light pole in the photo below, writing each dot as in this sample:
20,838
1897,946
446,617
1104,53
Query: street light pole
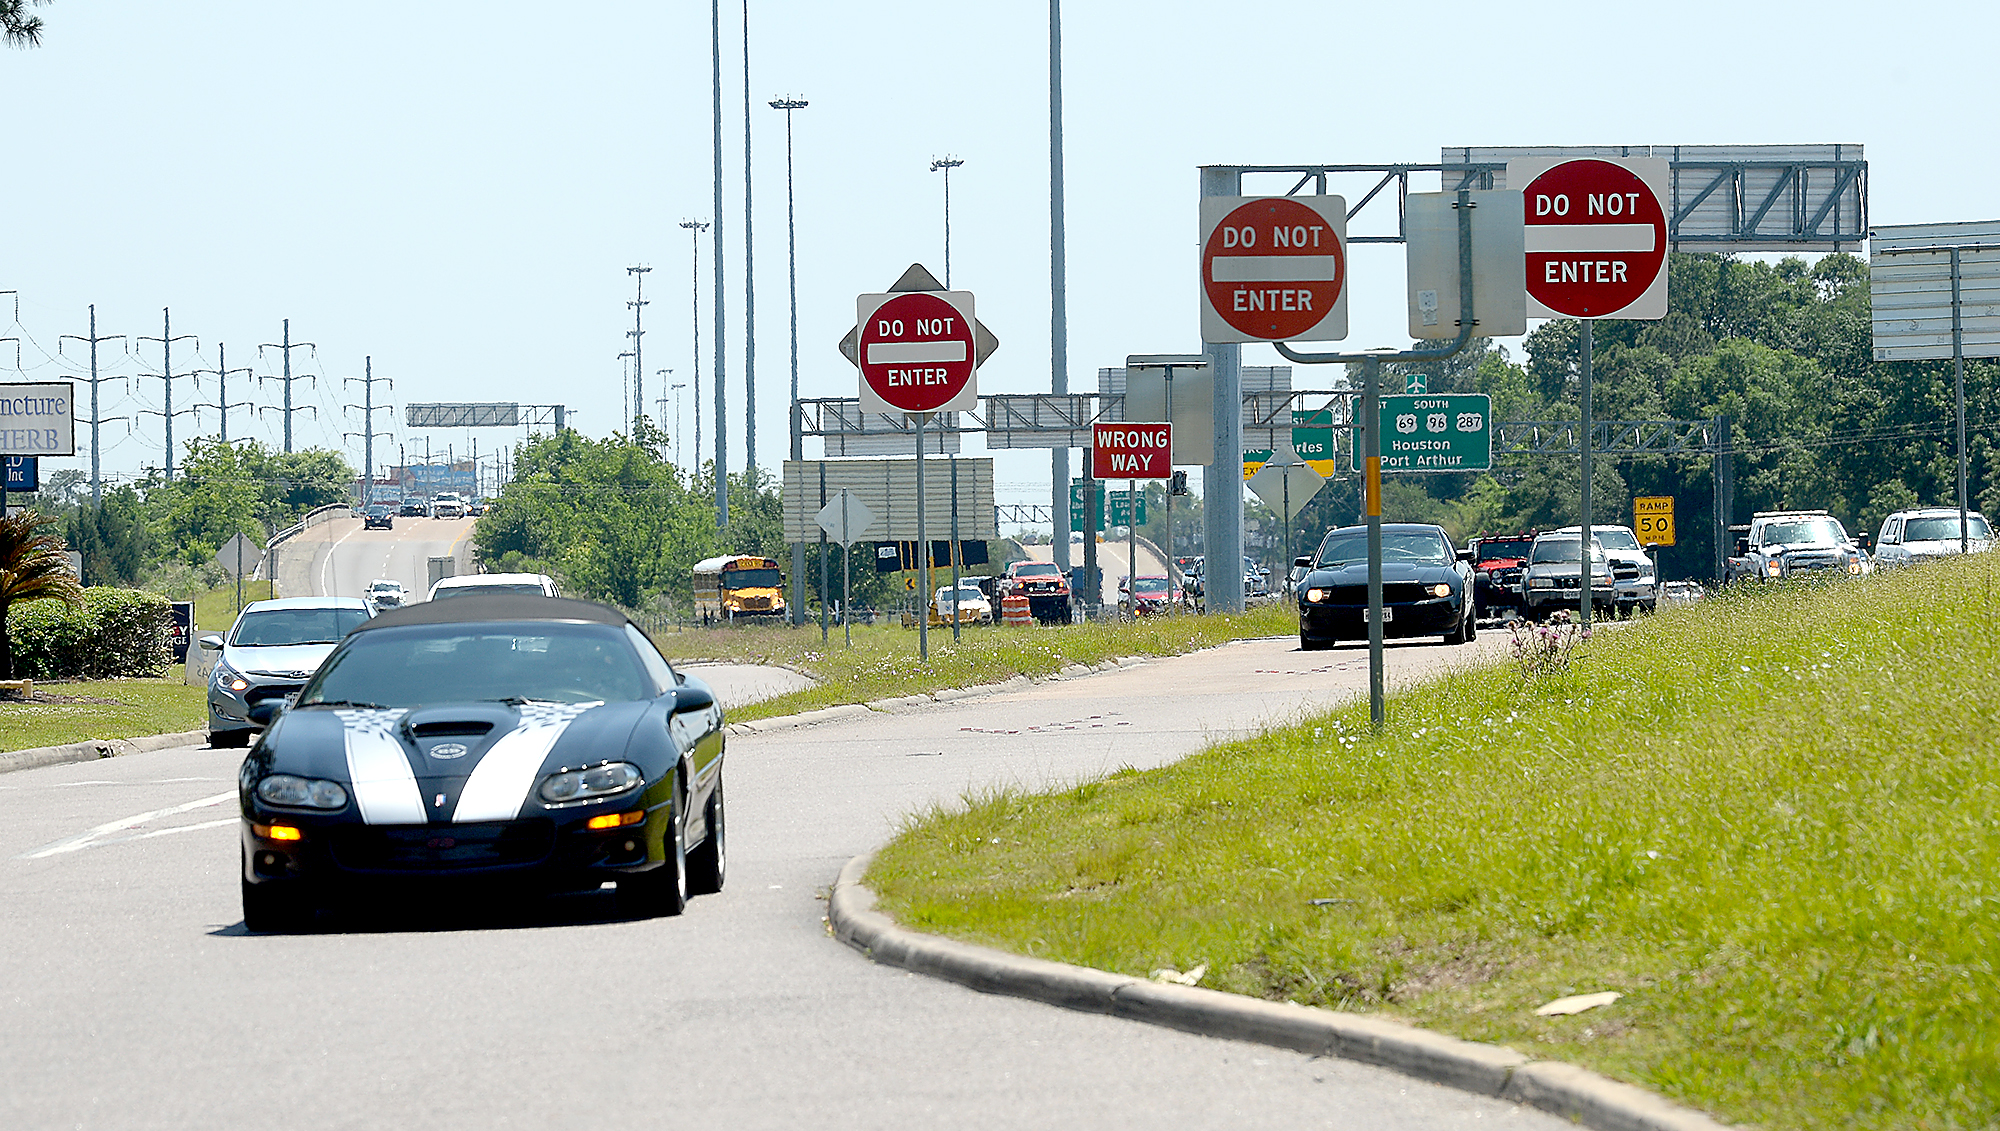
695,228
789,104
947,164
678,386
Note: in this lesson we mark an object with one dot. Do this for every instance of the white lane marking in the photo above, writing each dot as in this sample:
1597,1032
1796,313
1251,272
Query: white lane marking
1272,269
326,571
84,839
1589,237
168,832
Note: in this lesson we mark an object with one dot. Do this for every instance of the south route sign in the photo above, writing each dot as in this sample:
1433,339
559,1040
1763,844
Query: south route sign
1595,236
1437,432
1273,269
1132,451
916,352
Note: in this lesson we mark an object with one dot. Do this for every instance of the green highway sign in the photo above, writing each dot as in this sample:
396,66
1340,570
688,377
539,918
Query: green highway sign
1437,432
1312,437
1120,506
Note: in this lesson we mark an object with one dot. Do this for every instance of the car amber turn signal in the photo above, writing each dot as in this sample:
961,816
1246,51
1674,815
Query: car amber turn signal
616,820
275,832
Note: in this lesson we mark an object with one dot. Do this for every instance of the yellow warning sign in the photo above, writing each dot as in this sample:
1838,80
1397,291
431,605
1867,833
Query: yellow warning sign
1653,519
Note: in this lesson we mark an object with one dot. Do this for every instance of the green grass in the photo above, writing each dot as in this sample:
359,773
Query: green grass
1769,820
883,662
215,610
142,707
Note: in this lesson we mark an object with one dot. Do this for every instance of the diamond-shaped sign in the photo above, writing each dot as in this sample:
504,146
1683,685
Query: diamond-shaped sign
845,518
238,556
1286,482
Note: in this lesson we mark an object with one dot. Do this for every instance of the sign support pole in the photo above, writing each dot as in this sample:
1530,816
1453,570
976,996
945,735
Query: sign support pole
1587,575
923,552
1132,544
1958,383
1369,429
954,537
822,545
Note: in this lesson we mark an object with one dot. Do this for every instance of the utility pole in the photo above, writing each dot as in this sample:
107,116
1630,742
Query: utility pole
637,333
749,277
287,346
797,424
625,366
947,164
1058,301
676,391
721,352
368,433
695,229
96,474
222,403
661,400
166,376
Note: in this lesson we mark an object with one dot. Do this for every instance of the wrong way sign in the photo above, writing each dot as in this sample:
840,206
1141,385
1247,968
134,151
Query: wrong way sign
1273,268
1595,236
1132,451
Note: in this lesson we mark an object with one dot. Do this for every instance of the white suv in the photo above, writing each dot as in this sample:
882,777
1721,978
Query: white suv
447,504
1913,537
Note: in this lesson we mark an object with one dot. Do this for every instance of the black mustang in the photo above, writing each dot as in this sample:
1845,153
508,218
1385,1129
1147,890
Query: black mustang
1426,587
494,737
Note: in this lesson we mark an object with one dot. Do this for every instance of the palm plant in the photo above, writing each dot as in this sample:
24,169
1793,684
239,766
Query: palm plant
32,565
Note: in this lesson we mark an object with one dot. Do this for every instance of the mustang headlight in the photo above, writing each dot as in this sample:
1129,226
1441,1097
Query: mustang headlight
1440,590
598,781
301,793
1317,595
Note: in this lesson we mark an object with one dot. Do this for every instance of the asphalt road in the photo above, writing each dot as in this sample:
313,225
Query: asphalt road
132,996
340,559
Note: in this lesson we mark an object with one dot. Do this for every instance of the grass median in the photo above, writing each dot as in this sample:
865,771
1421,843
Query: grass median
883,662
1767,820
111,708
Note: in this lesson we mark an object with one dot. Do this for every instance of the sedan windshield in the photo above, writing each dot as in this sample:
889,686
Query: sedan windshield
451,663
1939,529
277,628
1409,547
1150,585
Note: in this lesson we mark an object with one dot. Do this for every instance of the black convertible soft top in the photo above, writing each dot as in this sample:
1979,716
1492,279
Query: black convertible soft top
496,607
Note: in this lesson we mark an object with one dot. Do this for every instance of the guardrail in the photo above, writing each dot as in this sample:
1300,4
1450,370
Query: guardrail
312,518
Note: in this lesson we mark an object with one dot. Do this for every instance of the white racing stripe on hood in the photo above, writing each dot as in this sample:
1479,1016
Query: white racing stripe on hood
500,784
385,787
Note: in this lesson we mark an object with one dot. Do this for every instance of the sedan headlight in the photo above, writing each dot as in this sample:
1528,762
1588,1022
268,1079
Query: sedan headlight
230,678
301,793
1317,595
1440,590
598,781
1541,583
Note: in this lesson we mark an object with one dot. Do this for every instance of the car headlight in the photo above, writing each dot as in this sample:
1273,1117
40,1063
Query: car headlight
1541,583
1440,590
230,678
598,781
1317,595
302,793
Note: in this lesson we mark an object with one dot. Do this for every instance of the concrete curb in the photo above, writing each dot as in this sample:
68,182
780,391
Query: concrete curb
92,750
1565,1090
925,699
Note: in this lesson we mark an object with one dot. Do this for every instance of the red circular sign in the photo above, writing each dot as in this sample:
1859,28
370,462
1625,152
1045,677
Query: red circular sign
916,351
1596,238
1273,268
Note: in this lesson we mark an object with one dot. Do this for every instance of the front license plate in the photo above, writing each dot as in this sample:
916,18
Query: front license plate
1387,615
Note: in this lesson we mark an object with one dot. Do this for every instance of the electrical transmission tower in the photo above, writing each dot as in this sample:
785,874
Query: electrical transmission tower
368,409
288,345
167,376
222,403
637,333
96,473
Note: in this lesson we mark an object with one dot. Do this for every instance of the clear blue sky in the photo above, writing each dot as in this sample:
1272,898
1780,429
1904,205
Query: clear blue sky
456,188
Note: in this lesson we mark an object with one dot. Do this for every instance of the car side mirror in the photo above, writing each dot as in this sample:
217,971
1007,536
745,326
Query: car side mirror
1465,555
688,697
1742,546
265,712
211,643
1307,562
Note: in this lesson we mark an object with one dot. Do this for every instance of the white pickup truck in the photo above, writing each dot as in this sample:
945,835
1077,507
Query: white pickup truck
447,504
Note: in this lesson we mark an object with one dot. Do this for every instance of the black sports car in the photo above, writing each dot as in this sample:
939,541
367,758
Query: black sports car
539,742
380,516
1426,587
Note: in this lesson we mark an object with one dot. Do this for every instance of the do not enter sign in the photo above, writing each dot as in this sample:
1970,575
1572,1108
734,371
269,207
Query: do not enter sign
1273,269
1595,236
916,352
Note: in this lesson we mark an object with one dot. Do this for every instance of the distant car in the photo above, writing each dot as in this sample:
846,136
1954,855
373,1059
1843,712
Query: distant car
381,516
269,653
415,507
1912,537
1043,584
1426,587
447,504
969,605
1682,592
531,584
522,745
385,594
1148,596
475,507
1631,567
1498,561
1777,545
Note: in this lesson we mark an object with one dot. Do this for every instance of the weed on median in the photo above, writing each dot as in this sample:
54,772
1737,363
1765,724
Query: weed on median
1768,820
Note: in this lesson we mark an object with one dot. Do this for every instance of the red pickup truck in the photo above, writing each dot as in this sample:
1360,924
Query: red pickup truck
1043,584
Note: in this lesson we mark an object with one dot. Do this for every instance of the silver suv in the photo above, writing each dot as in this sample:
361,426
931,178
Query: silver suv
1915,536
1555,573
1631,567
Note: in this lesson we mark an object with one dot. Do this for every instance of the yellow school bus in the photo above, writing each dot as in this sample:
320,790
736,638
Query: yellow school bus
736,586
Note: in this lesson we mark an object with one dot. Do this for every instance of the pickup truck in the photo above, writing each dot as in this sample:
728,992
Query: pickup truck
1790,544
1043,584
447,504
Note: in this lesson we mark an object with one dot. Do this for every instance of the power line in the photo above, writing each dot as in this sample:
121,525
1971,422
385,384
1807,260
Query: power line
96,421
222,403
166,376
287,346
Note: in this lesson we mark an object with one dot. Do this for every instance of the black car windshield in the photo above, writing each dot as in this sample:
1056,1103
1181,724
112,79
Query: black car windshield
277,628
1419,547
1938,529
531,588
412,665
1564,550
751,579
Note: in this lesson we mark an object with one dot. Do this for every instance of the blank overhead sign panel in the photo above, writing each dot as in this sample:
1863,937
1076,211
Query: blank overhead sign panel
1726,197
888,488
1910,275
487,415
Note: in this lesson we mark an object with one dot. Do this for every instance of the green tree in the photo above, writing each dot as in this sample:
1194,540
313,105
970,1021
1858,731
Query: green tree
32,565
17,26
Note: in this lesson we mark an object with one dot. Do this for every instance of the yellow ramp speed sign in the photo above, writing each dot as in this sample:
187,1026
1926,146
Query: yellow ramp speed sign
1653,519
